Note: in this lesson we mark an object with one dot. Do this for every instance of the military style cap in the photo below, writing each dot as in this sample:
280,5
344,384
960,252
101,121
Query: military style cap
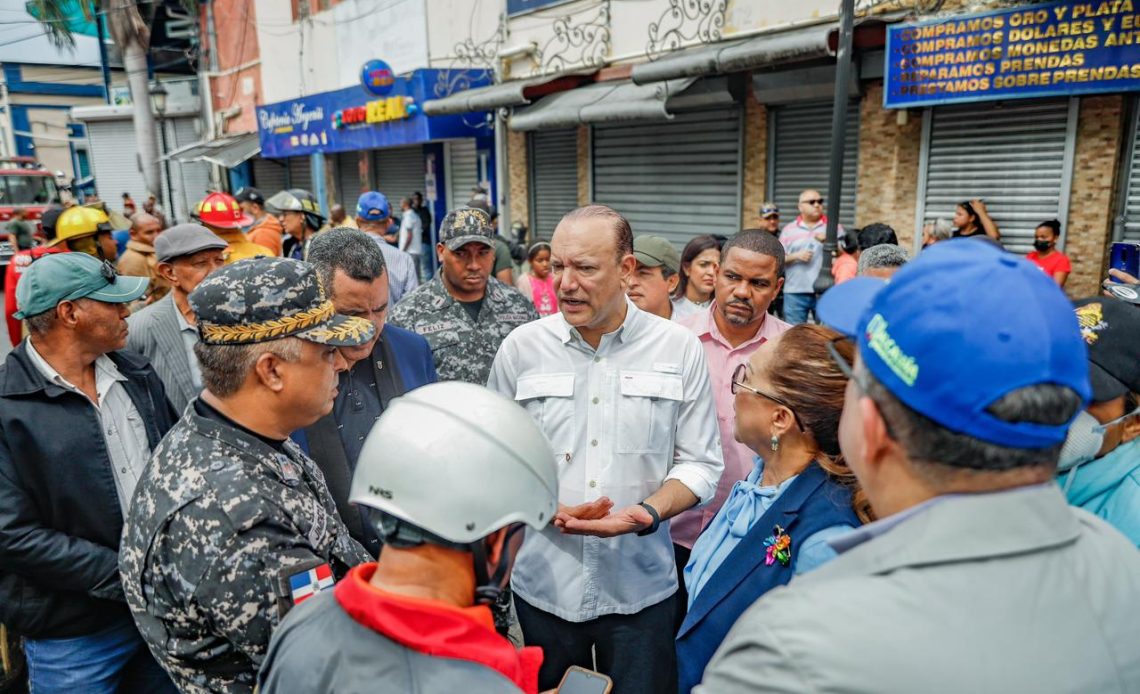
654,251
464,225
263,299
185,239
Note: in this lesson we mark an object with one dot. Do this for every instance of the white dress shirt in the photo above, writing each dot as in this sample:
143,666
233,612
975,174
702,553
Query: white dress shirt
621,420
123,427
189,338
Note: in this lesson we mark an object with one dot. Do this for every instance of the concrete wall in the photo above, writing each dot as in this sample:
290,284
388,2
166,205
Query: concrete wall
238,80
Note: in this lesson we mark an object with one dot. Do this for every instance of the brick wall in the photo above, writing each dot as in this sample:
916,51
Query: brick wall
584,165
517,174
888,166
755,159
1100,137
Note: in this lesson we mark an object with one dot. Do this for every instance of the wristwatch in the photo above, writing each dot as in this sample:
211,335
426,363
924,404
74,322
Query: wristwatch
656,520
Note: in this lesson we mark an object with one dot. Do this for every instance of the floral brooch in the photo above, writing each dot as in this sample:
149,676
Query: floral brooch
779,546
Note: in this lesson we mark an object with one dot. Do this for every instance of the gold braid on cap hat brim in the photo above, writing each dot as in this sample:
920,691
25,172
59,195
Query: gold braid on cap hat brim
275,329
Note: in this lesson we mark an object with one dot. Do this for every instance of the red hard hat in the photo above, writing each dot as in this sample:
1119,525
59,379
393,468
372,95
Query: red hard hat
222,211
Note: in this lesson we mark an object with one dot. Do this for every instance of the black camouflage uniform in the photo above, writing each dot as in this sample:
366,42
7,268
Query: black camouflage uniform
224,517
463,348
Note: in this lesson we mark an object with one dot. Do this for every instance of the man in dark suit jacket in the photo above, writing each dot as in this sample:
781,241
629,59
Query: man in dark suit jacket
352,270
164,332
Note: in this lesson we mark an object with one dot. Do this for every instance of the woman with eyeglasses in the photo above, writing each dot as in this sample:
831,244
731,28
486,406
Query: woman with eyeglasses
775,523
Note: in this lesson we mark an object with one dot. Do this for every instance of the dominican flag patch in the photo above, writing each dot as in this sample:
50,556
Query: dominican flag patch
306,584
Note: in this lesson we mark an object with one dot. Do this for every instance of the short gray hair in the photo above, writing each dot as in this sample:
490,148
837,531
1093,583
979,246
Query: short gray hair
941,229
42,323
225,367
349,250
885,255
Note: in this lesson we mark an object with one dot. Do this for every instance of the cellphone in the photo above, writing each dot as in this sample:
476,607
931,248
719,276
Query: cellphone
579,680
1126,257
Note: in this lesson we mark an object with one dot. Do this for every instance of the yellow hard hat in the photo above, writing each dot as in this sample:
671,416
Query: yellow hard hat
77,222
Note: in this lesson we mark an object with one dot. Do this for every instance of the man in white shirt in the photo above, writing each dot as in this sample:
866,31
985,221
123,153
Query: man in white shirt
411,230
624,398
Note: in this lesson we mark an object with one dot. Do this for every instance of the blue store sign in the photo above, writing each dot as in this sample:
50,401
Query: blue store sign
352,119
1057,49
377,77
523,6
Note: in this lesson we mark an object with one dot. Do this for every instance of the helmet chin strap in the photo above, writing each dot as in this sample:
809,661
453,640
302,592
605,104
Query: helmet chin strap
488,588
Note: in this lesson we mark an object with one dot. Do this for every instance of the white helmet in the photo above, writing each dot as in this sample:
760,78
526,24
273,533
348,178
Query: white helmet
458,461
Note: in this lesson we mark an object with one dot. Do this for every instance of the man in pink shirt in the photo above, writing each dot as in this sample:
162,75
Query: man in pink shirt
751,274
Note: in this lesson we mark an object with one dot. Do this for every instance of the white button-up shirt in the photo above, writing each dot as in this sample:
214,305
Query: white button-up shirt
621,420
123,427
189,338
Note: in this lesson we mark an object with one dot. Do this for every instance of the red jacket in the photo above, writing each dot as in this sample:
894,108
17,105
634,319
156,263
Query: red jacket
16,267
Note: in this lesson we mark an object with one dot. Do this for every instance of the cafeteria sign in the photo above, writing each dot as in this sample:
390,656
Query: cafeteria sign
1058,49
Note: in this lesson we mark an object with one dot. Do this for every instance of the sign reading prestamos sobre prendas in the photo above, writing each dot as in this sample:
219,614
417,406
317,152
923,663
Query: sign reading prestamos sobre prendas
1054,49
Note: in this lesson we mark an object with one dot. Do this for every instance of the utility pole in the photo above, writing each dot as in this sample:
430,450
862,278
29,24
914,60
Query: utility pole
838,125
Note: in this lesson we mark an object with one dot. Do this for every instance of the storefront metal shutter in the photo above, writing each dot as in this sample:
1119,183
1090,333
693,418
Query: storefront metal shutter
114,164
553,159
676,179
1015,156
1131,166
462,172
800,143
399,172
190,180
269,175
348,184
300,173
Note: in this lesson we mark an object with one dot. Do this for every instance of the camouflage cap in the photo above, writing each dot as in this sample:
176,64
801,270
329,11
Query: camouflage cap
264,299
464,225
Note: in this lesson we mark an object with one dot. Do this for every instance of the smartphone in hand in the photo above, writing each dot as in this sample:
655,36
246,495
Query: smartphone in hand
579,680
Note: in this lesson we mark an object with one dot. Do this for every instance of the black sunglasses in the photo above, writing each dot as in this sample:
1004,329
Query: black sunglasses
738,376
817,201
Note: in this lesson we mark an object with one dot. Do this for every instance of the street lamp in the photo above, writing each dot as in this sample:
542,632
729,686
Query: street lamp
158,96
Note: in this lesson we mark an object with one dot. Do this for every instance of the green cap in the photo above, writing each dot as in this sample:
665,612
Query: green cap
654,251
69,276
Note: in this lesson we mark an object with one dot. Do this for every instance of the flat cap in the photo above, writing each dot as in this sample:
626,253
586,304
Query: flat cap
185,239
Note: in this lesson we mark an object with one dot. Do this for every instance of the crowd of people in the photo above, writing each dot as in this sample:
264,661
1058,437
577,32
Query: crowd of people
272,451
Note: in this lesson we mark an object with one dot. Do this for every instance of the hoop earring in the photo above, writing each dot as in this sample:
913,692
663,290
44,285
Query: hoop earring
775,443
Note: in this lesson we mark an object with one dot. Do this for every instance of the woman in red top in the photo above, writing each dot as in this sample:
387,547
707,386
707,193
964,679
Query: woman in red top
1046,256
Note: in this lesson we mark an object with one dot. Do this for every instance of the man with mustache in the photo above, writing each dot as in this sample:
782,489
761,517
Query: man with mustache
79,416
730,330
463,312
623,397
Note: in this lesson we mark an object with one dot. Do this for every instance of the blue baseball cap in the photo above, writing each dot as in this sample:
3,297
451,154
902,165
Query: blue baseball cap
372,206
959,328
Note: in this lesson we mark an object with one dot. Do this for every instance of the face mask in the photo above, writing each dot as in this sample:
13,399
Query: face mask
1086,436
1041,246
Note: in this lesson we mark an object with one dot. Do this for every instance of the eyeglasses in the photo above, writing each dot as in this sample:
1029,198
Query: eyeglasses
817,201
860,378
1131,409
738,382
107,270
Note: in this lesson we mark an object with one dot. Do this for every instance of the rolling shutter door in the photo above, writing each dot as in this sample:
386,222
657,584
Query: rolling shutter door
114,162
463,170
399,172
801,157
554,179
675,179
1132,196
348,185
269,175
190,179
300,175
1013,157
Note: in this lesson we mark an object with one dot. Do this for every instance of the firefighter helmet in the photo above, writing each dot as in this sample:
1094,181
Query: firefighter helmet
297,200
221,211
79,221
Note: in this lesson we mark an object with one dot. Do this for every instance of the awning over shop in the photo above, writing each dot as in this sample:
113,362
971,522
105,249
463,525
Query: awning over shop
516,93
764,50
227,152
603,102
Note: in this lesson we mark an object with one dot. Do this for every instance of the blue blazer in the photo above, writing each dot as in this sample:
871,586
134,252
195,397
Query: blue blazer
811,503
413,357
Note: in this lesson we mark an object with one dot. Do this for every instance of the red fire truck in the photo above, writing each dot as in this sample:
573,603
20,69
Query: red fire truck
25,184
